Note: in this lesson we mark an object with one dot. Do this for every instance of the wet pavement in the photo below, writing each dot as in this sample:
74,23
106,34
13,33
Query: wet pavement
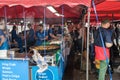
73,71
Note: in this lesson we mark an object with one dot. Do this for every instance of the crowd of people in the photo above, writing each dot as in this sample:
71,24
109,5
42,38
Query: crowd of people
35,36
77,35
104,44
102,40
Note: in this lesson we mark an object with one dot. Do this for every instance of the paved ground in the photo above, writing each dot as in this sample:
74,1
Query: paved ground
73,71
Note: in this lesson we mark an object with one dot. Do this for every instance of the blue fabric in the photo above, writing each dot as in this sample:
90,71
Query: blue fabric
14,35
59,30
17,39
31,35
4,46
40,37
50,32
106,33
1,32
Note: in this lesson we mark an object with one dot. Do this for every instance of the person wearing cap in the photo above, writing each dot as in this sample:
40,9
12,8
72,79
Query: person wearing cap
100,54
41,35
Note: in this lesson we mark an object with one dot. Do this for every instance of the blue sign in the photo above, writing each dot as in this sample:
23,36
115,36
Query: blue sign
14,69
50,74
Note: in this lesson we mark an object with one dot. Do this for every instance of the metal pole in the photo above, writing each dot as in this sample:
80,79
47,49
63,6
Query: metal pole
62,32
62,21
5,17
82,46
6,25
87,62
83,40
112,17
44,28
16,15
24,18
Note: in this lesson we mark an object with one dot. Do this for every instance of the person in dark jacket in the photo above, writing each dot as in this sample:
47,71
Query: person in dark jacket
103,42
16,38
30,36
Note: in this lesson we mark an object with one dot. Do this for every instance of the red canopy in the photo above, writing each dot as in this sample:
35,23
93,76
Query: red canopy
107,9
38,12
29,3
36,8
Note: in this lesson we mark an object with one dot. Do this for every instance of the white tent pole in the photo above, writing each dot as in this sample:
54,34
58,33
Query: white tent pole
87,62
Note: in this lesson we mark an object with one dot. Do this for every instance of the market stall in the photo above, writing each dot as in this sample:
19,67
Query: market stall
53,61
56,58
53,52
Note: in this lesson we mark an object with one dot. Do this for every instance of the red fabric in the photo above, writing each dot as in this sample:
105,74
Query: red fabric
38,12
28,3
105,9
36,8
99,53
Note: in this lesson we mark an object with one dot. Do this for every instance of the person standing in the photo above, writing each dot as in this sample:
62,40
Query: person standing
117,31
51,33
41,35
80,37
100,54
74,34
30,36
3,39
16,38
